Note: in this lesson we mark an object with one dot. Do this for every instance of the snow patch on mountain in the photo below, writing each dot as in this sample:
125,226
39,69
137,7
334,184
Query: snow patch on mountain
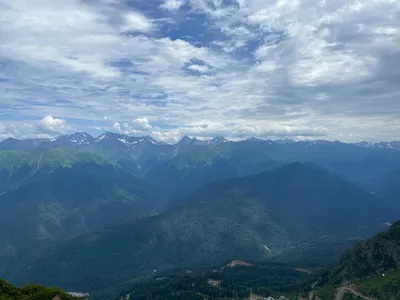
266,248
100,138
124,141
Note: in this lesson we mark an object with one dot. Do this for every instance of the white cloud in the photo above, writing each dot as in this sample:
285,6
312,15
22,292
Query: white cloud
169,136
44,128
14,130
278,67
139,126
199,68
263,130
51,124
229,129
142,123
117,126
137,22
172,4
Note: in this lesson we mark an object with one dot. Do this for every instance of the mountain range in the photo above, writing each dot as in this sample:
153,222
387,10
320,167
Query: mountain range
111,210
79,139
191,163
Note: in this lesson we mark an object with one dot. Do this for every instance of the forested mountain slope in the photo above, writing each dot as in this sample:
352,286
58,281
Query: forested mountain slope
245,218
64,195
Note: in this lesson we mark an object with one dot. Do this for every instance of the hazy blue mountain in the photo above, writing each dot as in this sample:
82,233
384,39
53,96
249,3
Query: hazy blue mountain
62,194
12,178
371,165
196,142
191,167
15,144
254,218
387,187
145,157
188,141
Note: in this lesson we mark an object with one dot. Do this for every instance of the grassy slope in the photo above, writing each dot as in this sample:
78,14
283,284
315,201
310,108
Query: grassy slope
48,158
382,287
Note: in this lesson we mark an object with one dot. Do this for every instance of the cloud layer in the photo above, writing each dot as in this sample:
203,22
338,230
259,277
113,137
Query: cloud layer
239,68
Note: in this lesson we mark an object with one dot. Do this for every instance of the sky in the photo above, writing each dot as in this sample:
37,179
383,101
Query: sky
298,69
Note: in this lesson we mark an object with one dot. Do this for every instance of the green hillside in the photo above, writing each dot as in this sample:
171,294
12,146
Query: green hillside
372,257
18,166
64,157
32,292
252,218
382,287
371,268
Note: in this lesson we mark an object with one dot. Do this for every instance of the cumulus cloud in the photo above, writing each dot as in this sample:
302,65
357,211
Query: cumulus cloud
169,136
279,68
172,4
51,124
14,130
136,22
44,128
232,130
139,126
116,127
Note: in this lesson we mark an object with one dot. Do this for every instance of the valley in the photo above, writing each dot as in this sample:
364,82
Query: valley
199,150
117,213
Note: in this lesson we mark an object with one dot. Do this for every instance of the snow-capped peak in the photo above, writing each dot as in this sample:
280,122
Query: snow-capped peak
381,145
77,139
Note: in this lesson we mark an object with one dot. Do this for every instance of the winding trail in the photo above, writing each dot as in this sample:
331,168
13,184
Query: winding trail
342,291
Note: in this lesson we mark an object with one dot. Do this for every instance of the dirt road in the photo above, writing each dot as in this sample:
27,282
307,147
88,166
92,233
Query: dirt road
342,291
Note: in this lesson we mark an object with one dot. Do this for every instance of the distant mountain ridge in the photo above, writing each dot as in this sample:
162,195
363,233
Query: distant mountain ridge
83,138
386,187
180,168
191,161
